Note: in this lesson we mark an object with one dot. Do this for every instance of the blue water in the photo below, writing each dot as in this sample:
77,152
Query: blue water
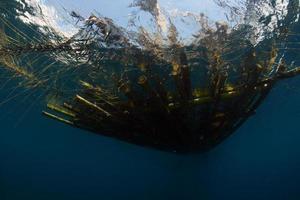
43,159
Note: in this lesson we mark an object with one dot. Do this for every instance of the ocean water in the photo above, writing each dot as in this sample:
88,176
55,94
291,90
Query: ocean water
43,159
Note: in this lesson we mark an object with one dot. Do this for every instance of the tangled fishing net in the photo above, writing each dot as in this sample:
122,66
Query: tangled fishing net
170,79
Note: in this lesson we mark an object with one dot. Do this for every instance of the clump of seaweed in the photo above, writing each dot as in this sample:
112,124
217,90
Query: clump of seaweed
151,91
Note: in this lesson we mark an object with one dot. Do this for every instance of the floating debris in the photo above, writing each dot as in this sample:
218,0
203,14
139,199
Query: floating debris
161,93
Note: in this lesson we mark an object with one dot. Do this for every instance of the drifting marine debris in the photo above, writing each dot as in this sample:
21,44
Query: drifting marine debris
173,97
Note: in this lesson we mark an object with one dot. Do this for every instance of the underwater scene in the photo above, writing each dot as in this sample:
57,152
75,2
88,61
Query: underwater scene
149,99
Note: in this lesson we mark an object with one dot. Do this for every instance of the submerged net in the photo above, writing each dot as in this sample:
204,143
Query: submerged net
154,85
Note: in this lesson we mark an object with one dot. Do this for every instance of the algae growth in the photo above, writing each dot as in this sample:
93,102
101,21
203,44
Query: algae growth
153,86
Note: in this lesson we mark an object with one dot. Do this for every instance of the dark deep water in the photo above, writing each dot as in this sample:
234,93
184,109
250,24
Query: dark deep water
43,159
